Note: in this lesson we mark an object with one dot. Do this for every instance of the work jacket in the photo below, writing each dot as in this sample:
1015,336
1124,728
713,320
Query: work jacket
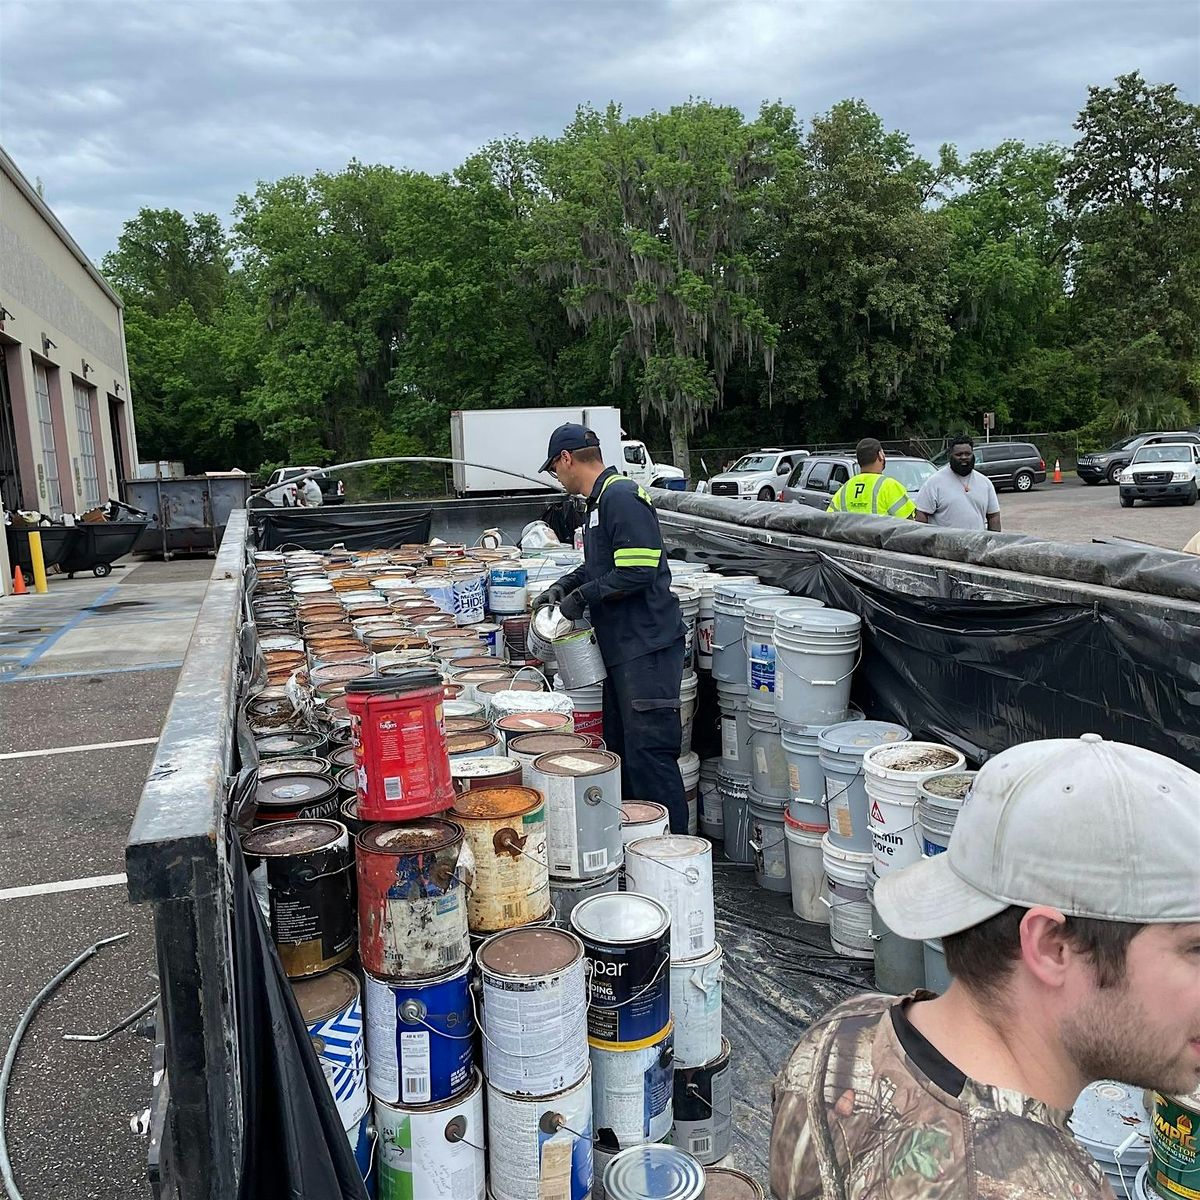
875,494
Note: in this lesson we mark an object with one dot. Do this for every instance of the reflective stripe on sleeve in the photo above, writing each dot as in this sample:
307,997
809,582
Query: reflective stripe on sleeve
903,507
637,556
875,489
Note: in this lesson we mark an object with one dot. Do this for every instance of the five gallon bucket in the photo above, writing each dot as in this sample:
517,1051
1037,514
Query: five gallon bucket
735,816
768,764
689,689
712,815
707,586
689,607
939,801
841,750
817,650
937,977
588,703
729,612
1110,1121
758,637
806,870
733,699
899,962
689,773
849,904
767,845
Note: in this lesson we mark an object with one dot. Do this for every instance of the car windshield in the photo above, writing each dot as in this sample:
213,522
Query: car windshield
1164,454
1127,444
912,472
754,462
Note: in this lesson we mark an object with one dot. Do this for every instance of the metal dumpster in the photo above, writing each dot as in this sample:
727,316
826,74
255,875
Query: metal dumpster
187,515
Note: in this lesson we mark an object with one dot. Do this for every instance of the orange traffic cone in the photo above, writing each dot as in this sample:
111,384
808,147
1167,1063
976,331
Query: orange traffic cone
1057,471
19,588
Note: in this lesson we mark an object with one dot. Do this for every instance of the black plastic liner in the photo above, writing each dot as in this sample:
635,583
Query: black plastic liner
355,527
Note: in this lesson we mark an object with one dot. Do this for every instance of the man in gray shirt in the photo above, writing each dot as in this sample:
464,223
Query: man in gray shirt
958,496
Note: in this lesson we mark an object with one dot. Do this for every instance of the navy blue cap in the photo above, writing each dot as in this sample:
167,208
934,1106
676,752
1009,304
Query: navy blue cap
569,437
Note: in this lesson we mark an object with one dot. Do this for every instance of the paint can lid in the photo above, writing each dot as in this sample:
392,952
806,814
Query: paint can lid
324,996
538,744
653,1172
523,953
412,680
425,836
579,763
347,779
857,737
288,791
671,845
295,765
637,812
531,722
471,743
482,766
620,918
285,838
290,742
496,803
344,756
722,1183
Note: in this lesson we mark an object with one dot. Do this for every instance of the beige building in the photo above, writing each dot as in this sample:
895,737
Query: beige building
66,417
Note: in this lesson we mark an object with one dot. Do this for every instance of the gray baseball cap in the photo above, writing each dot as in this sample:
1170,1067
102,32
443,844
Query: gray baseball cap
1092,828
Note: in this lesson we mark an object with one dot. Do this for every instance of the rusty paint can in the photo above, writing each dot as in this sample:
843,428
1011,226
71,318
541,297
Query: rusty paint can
295,797
466,724
518,724
506,830
412,908
471,745
724,1183
475,661
583,811
525,747
487,771
302,873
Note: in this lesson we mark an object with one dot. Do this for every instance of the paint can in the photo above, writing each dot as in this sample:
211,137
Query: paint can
707,585
696,990
631,1092
471,679
1109,1120
399,746
580,663
703,1107
331,1005
840,755
433,1152
940,799
440,592
583,811
892,775
849,904
806,870
758,635
362,1139
689,610
488,633
729,615
565,894
734,703
525,747
689,691
899,962
768,849
309,764
806,784
817,650
468,598
627,946
515,631
724,1183
490,771
514,725
676,870
1174,1166
508,589
471,745
534,1011
463,709
506,830
290,742
413,882
588,703
735,817
654,1172
348,815
768,763
541,1146
295,797
689,774
453,725
642,818
712,815
302,873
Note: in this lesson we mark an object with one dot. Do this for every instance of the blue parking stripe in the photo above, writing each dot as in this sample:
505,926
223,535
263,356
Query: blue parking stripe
77,620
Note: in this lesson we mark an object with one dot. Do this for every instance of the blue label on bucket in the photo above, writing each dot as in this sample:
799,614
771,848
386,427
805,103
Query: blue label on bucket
509,577
762,666
932,848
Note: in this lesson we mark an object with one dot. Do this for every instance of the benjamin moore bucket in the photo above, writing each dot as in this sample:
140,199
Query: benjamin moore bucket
841,750
816,650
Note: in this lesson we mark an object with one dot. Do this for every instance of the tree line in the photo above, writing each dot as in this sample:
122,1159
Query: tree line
723,281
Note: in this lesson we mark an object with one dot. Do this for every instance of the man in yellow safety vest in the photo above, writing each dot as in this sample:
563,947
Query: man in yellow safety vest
871,491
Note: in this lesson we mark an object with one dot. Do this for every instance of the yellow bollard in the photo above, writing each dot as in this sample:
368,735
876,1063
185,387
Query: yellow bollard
39,563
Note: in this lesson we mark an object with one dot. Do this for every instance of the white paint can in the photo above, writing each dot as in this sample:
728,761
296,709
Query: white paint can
689,773
642,818
468,598
631,1093
696,988
676,870
583,811
578,658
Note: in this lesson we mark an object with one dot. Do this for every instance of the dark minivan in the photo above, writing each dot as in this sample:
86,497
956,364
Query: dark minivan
1016,465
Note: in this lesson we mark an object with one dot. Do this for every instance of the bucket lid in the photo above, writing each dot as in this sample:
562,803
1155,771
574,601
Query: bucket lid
819,620
524,953
671,845
425,836
653,1170
286,791
527,723
499,803
576,763
325,996
284,838
769,606
537,744
638,812
413,679
483,766
723,1183
620,917
1105,1114
857,737
470,743
912,758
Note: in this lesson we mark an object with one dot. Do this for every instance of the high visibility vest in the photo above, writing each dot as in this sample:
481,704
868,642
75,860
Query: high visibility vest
875,495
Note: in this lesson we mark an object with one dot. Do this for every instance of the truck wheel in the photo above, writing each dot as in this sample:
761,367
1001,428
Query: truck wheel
1022,481
101,569
1113,472
766,494
1190,498
1126,501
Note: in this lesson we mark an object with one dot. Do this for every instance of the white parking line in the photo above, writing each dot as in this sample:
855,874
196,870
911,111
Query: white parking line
63,885
78,749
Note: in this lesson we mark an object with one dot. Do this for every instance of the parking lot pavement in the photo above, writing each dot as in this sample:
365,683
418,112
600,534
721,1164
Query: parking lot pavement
86,676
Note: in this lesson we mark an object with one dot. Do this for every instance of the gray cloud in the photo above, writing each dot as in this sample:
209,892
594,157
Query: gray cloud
186,103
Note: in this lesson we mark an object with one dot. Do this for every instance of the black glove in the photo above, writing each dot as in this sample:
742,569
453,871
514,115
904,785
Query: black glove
554,594
572,606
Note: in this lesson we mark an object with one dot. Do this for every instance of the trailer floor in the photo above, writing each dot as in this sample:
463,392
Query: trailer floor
87,673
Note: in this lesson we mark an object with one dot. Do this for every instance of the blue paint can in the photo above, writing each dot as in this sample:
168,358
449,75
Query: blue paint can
362,1142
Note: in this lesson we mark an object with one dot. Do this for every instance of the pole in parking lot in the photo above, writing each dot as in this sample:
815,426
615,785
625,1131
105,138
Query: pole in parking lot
38,563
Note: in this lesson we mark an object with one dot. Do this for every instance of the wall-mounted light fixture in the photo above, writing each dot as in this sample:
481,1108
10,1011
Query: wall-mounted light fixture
87,367
48,345
117,388
5,315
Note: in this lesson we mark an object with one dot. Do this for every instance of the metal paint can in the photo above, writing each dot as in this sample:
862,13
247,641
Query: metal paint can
295,797
362,1138
413,882
331,1006
627,942
579,661
516,634
506,830
440,591
489,771
723,1183
565,894
508,590
641,818
676,870
696,988
489,635
1174,1165
456,725
703,1105
470,745
632,1092
583,811
541,1146
272,768
522,724
534,1011
653,1172
302,873
286,743
420,1037
526,747
468,598
434,1151
348,815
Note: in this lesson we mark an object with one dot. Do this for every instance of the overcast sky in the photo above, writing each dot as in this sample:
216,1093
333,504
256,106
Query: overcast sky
186,103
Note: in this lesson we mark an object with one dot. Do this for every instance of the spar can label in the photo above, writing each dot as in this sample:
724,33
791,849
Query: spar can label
1174,1167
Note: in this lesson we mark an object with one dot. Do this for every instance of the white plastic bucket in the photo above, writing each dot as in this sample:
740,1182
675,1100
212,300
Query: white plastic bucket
849,904
840,753
768,764
937,976
816,650
939,801
707,586
899,962
696,1008
729,611
711,816
734,702
689,607
758,637
806,870
735,816
676,870
892,775
689,772
588,703
689,689
767,844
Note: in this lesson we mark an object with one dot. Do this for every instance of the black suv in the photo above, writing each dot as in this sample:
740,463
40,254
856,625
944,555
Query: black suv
1016,465
1108,464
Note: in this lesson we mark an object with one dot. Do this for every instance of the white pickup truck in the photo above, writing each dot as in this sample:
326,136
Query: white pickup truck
285,494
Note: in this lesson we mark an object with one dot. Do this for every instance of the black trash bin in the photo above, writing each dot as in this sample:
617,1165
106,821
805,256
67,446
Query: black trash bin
99,545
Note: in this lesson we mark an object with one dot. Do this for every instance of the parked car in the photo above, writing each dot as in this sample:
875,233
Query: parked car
1016,465
1108,464
818,477
284,494
758,476
1162,471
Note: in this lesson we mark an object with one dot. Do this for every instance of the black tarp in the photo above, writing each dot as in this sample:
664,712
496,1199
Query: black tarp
356,528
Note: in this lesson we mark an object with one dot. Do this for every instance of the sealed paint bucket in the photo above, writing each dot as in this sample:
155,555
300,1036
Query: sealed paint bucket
331,1006
508,590
400,746
565,894
806,870
506,831
541,1146
1174,1167
440,592
768,848
420,1037
892,775
654,1172
295,797
735,816
627,943
516,633
471,679
849,904
348,815
490,637
729,613
711,816
758,635
734,703
676,870
806,783
302,873
290,742
518,724
433,1151
899,962
462,708
413,883
689,774
696,988
641,818
631,1092
362,1138
724,1183
703,1107
689,608
534,1011
817,650
937,976
939,801
689,690
526,747
489,771
582,789
588,703
468,598
841,750
1109,1120
706,615
580,663
768,763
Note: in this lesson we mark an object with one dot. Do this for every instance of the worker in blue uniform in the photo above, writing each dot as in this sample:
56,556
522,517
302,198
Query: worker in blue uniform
625,584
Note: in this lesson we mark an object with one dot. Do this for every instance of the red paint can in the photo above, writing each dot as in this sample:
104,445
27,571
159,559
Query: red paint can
400,746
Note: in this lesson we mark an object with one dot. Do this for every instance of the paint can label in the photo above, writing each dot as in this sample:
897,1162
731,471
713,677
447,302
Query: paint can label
761,656
631,1093
339,1044
841,814
417,1161
729,739
704,641
703,1106
1174,1165
629,991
